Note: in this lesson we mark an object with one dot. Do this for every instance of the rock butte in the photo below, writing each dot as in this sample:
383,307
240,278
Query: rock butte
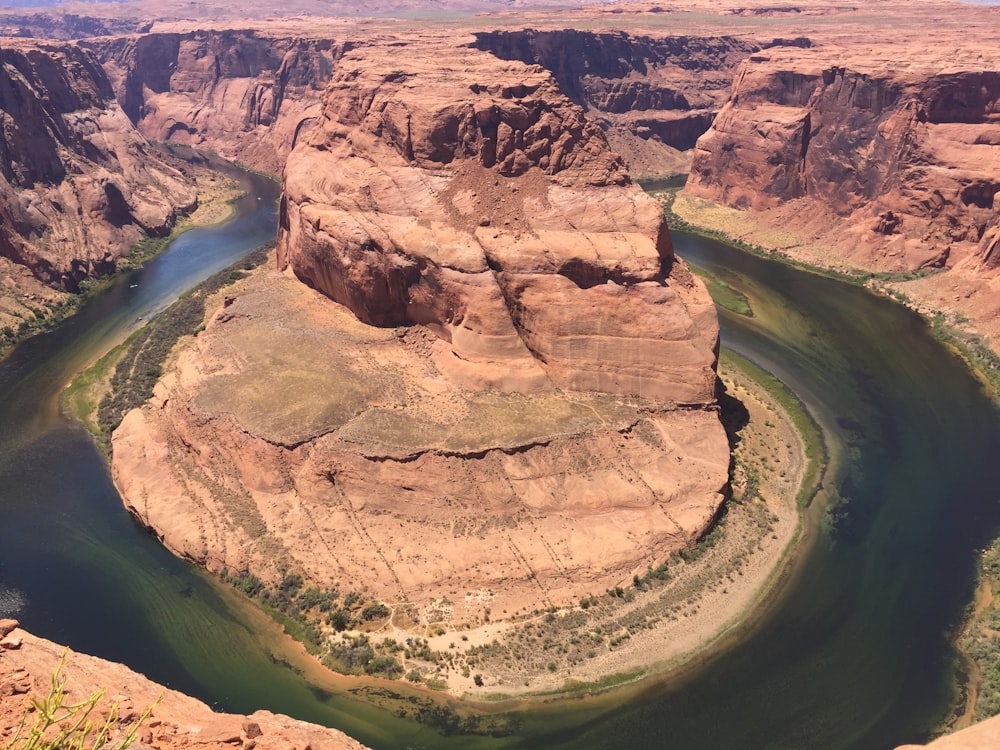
447,426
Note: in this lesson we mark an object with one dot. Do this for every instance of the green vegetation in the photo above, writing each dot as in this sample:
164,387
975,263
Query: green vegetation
973,348
312,615
981,639
140,366
60,725
37,318
605,683
805,425
82,398
723,294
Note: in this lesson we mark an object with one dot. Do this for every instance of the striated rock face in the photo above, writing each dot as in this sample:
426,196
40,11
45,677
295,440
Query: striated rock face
905,160
244,94
78,185
27,664
652,96
480,404
477,200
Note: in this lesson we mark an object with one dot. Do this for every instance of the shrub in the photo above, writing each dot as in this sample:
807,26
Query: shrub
59,725
375,611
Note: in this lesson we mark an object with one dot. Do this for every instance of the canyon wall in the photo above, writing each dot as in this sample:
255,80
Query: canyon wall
653,96
78,185
242,93
896,165
498,393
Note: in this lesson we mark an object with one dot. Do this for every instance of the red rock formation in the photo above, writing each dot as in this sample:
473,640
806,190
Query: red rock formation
244,94
494,404
78,185
650,95
177,721
403,205
906,159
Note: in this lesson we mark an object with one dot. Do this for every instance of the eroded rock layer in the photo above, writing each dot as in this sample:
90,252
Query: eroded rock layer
498,392
653,96
902,161
243,93
78,185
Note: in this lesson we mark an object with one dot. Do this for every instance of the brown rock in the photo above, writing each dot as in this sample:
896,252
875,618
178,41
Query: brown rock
78,185
244,94
384,197
178,721
901,158
447,418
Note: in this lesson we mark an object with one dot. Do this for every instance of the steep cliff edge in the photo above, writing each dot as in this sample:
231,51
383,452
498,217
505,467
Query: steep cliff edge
653,96
849,159
78,185
497,397
243,93
27,664
905,161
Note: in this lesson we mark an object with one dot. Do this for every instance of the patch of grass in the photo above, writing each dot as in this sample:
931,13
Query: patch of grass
81,400
723,294
605,683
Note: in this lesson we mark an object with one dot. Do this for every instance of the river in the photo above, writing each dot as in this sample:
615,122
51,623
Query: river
852,651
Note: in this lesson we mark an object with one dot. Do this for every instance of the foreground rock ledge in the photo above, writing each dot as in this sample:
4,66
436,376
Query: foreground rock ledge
498,396
27,664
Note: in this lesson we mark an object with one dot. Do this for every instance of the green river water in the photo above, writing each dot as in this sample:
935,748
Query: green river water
851,651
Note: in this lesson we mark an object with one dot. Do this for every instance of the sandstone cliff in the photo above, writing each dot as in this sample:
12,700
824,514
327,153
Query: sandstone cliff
78,185
653,96
27,664
244,94
900,162
483,410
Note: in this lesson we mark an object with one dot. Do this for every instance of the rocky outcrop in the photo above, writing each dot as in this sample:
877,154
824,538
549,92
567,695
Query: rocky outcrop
904,162
486,207
244,94
78,185
499,395
981,736
176,722
652,96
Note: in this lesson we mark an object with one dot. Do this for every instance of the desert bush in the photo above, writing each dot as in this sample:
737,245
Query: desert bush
60,725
